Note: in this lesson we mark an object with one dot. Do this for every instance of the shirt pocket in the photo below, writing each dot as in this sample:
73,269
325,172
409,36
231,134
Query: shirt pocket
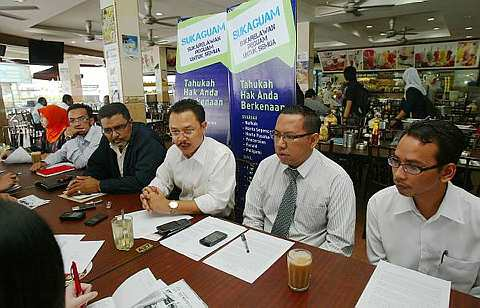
311,215
461,273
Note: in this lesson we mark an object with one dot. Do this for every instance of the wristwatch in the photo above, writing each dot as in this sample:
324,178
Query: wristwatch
173,205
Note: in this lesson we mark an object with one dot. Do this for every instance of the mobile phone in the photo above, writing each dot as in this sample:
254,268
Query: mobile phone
83,207
213,238
72,216
173,226
95,219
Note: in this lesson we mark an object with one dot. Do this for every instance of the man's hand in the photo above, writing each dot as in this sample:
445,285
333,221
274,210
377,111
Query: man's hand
7,180
72,301
153,200
7,197
71,132
38,166
83,185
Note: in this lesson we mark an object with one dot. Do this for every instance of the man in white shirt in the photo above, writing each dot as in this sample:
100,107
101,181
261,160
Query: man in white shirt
201,167
84,139
300,194
425,222
41,102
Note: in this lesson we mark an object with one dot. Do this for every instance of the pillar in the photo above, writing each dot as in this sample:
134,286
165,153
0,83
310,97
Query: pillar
305,55
71,78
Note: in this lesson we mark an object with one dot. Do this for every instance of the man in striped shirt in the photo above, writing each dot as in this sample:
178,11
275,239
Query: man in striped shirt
300,194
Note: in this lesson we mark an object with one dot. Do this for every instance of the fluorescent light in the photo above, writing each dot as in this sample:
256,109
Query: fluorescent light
468,36
383,34
158,14
468,28
368,26
431,19
436,28
73,42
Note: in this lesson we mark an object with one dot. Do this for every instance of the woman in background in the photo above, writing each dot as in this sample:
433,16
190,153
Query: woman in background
55,121
32,272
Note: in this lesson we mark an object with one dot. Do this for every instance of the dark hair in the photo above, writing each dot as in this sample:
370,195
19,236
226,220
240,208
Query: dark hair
310,93
449,138
42,100
108,111
189,104
350,73
32,272
67,99
81,106
311,122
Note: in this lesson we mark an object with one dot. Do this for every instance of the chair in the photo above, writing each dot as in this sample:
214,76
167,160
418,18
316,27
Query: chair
244,175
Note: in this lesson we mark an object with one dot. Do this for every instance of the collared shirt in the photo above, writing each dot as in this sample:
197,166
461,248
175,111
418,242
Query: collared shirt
398,233
63,105
325,212
77,150
120,156
208,177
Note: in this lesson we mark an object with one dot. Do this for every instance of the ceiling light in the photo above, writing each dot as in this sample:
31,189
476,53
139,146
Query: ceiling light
368,26
431,19
468,36
436,28
156,36
73,42
383,34
158,14
468,28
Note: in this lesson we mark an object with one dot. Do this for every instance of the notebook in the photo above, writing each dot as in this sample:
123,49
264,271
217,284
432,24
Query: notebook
56,169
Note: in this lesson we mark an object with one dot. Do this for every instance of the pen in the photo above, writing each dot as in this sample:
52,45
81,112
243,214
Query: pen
445,253
76,280
244,240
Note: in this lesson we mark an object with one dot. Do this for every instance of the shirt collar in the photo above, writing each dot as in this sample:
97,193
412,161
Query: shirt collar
115,148
91,132
304,168
200,153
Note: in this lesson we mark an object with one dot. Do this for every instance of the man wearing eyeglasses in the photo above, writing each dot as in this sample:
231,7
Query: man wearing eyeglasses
84,138
424,222
300,194
201,167
126,159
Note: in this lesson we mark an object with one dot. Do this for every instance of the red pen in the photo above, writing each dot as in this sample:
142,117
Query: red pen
76,280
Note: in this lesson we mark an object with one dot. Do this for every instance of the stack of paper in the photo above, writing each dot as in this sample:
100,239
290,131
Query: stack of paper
234,259
394,286
32,201
145,224
81,198
187,242
73,249
19,156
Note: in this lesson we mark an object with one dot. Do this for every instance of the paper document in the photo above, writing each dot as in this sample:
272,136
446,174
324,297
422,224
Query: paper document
145,224
82,198
187,243
32,201
19,156
82,252
63,239
264,250
394,286
177,295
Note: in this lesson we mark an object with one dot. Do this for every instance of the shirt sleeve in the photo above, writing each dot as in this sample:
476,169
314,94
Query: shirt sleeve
340,235
163,179
58,156
375,250
253,215
221,186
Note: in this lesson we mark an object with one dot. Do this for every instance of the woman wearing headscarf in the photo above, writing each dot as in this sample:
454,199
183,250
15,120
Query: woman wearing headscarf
55,121
415,103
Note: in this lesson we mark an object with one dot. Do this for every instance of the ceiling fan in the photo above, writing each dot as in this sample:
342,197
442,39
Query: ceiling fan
353,7
148,18
391,32
151,42
16,8
88,33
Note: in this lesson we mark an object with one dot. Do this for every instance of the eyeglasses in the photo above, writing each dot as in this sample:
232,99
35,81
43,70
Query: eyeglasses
79,120
287,137
394,162
187,133
117,129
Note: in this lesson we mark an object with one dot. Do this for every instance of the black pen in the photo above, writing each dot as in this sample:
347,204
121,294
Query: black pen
244,240
445,253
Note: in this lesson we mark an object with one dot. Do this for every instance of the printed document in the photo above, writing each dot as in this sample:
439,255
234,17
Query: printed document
395,286
264,250
145,224
187,242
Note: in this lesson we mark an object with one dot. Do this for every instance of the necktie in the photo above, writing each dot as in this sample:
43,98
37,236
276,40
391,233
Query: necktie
286,211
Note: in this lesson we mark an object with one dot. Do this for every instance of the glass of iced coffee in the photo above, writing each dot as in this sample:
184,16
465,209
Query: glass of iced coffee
299,262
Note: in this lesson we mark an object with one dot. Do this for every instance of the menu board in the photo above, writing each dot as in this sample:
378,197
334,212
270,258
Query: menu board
333,60
405,57
435,55
467,54
386,58
355,58
369,59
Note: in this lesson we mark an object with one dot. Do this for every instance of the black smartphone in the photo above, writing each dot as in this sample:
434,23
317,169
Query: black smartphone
173,226
213,238
95,219
72,216
83,207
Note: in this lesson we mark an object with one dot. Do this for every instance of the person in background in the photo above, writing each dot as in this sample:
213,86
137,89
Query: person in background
202,167
424,222
126,158
83,138
67,101
312,102
328,96
41,102
415,101
351,112
300,194
34,276
106,100
54,120
434,88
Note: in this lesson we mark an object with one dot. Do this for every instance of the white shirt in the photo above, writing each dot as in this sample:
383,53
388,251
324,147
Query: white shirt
62,105
398,233
325,213
120,156
35,115
77,150
208,177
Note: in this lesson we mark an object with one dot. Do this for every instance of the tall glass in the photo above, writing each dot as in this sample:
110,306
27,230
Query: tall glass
122,230
299,262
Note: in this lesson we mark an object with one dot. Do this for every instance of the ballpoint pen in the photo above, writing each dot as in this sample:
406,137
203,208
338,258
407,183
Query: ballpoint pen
244,240
76,280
